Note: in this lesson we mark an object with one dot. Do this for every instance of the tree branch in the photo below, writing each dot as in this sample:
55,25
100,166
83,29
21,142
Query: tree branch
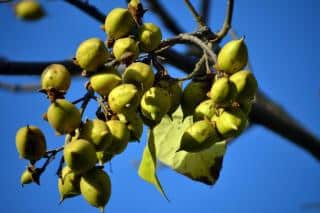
195,14
165,17
227,22
33,68
90,10
270,115
204,9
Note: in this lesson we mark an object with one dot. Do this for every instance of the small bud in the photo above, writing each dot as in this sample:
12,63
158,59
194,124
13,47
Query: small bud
80,156
233,56
155,103
92,54
246,85
30,143
199,136
222,91
125,49
119,23
124,98
149,36
231,123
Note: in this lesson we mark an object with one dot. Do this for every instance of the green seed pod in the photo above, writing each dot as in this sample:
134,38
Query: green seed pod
222,91
68,184
96,132
29,10
246,85
246,107
233,56
56,76
103,157
30,143
134,3
139,74
119,23
95,187
194,93
26,177
134,124
125,48
199,136
80,156
175,92
231,123
124,98
206,109
120,136
63,116
155,103
104,82
149,36
92,54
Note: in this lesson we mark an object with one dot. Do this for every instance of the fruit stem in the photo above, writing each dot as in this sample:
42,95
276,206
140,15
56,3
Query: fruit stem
194,13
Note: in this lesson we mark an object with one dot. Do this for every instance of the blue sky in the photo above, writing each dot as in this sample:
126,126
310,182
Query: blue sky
262,172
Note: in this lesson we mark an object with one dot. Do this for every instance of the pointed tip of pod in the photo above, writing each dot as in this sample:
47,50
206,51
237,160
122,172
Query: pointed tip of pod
101,209
234,127
179,149
61,200
104,133
100,163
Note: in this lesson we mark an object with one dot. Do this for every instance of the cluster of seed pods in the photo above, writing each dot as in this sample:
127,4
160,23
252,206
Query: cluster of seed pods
127,100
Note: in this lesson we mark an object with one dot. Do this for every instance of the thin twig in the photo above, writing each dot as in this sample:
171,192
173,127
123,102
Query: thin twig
50,155
196,70
86,99
227,22
188,38
195,14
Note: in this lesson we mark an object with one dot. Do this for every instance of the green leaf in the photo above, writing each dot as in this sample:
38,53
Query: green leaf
202,166
148,166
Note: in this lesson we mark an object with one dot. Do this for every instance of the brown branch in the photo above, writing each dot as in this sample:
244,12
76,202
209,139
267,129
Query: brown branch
85,7
227,22
194,13
33,68
165,17
205,8
270,115
189,38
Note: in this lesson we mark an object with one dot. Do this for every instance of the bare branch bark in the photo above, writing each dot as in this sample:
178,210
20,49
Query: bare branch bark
85,7
33,68
270,115
165,17
195,14
227,22
204,10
